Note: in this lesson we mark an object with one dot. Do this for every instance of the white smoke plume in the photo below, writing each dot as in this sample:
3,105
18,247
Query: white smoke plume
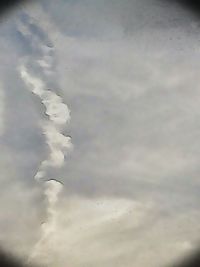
44,246
57,116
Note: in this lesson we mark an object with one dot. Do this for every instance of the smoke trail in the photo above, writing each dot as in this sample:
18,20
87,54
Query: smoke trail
57,114
43,247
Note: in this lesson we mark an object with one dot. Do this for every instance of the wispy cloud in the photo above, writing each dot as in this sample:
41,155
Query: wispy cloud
58,115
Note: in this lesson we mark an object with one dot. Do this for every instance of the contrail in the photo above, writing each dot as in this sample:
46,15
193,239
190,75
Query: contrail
57,116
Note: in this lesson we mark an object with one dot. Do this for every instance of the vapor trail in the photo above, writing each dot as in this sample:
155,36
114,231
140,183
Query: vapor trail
57,116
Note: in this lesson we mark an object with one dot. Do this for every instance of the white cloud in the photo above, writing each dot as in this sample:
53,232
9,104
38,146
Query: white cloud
115,231
92,231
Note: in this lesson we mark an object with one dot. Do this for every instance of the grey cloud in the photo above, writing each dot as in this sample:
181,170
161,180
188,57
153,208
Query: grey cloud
143,119
130,73
111,19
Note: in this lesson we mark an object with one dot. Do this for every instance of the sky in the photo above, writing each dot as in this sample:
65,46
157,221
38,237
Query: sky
99,132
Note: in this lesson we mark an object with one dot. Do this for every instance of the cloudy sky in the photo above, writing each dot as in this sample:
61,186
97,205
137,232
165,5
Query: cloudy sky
102,96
